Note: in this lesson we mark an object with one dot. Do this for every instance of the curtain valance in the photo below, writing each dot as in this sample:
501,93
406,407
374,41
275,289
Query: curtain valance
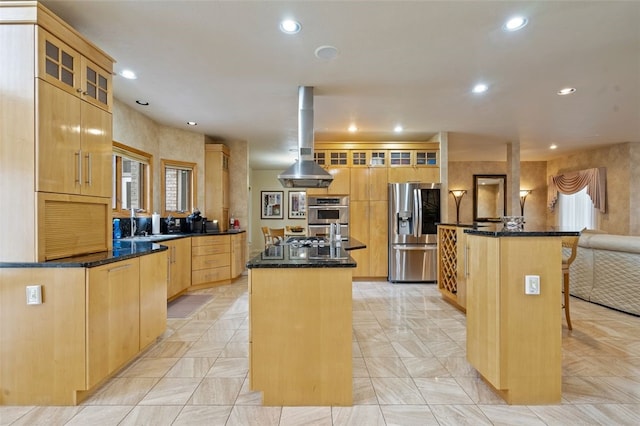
595,180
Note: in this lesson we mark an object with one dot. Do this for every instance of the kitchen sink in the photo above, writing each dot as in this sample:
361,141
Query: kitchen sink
152,238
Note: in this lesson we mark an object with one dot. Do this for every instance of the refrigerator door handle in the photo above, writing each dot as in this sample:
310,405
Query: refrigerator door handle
417,212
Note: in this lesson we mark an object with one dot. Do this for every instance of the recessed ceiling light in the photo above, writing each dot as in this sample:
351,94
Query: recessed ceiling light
566,91
480,88
192,123
128,74
143,103
353,128
553,146
289,26
398,129
514,24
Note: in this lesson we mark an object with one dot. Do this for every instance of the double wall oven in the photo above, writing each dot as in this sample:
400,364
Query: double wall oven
324,210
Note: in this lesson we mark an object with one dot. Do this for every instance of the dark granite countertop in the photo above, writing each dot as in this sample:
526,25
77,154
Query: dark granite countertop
498,231
462,225
125,248
294,256
122,250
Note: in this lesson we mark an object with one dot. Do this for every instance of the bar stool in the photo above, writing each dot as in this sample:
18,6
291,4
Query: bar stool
572,244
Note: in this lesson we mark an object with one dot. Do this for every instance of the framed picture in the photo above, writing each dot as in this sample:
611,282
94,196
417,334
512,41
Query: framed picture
271,204
297,204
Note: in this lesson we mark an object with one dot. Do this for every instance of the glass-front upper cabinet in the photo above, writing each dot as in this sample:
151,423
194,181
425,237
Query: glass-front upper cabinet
368,158
65,68
58,63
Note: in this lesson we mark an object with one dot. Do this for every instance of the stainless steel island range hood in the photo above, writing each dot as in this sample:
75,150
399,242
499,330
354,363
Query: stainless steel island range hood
305,173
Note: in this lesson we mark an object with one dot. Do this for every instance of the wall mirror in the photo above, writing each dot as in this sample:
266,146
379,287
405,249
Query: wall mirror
489,197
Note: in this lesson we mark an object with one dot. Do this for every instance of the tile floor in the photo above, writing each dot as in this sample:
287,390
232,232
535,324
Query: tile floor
409,369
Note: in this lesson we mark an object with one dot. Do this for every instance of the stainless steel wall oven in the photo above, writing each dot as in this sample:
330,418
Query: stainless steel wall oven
324,210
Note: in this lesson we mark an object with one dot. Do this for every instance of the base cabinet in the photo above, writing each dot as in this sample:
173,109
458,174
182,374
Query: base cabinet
153,297
238,254
113,315
92,322
514,339
452,265
211,259
300,335
179,260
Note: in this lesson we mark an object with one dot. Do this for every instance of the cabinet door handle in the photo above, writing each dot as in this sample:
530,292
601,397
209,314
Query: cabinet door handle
466,260
117,268
79,155
89,169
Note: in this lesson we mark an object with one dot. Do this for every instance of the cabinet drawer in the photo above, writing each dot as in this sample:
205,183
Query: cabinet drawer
209,275
210,261
212,240
207,250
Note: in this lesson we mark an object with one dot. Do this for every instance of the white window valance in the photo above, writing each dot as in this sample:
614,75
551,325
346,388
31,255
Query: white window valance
595,180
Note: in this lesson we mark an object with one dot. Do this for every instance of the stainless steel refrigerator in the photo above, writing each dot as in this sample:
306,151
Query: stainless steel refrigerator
414,210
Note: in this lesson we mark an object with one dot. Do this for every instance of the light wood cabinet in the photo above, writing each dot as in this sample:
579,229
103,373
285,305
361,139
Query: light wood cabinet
179,266
43,346
216,177
514,339
211,259
300,335
153,297
91,323
73,156
368,208
238,254
65,68
55,108
113,315
452,265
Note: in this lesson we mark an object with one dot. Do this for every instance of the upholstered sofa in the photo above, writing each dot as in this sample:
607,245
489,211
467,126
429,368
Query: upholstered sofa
606,271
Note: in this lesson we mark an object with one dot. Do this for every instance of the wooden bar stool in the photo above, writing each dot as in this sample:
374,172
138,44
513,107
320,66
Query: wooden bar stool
572,244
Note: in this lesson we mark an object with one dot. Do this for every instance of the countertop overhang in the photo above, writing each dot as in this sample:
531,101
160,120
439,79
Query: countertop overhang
499,231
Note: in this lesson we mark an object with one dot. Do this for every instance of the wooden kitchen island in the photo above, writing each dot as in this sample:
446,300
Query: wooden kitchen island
300,329
513,338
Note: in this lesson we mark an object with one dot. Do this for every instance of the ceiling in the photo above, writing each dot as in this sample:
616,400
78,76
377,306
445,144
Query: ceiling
228,67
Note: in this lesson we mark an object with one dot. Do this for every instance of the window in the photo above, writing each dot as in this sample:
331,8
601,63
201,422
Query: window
131,180
178,187
576,211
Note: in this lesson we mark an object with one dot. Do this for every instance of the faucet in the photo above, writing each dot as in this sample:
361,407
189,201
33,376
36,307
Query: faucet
133,221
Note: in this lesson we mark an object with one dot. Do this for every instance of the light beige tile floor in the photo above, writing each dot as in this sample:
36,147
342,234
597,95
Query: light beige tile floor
409,369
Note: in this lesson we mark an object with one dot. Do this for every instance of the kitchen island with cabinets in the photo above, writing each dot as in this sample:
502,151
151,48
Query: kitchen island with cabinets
300,324
514,311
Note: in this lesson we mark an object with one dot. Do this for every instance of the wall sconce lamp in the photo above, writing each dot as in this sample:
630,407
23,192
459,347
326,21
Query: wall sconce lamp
523,198
457,196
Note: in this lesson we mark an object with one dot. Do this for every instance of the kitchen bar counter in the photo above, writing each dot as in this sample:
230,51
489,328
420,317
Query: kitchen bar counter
514,311
498,231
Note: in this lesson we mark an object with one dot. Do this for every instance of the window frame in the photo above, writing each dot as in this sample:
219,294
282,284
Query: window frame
121,150
183,165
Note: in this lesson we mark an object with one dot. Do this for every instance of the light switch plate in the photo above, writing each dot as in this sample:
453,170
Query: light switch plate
532,284
34,294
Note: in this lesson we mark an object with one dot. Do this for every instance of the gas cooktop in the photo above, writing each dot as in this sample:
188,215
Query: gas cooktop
307,241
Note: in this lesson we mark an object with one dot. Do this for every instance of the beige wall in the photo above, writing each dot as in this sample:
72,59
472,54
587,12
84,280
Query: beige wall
139,131
532,176
267,180
622,162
